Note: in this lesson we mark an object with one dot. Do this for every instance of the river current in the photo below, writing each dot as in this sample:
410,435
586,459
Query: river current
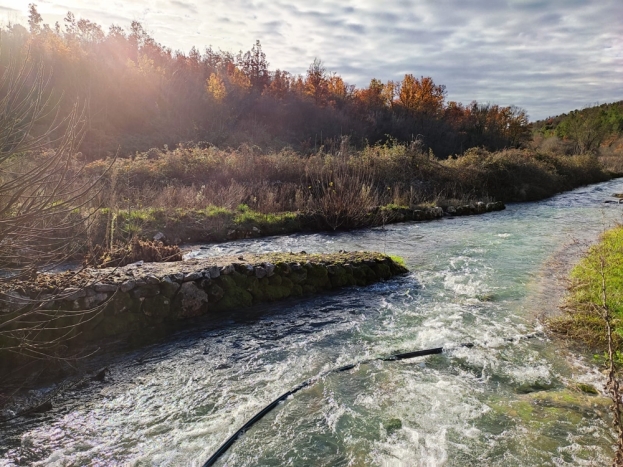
487,279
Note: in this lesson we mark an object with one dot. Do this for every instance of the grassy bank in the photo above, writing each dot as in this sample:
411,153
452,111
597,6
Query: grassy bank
583,312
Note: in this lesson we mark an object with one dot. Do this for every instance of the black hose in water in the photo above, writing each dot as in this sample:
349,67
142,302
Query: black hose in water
400,356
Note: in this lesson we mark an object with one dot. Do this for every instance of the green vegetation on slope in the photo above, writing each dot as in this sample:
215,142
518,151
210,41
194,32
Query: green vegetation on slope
597,130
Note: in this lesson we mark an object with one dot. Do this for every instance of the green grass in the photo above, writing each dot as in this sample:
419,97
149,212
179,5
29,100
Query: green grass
603,263
398,260
212,223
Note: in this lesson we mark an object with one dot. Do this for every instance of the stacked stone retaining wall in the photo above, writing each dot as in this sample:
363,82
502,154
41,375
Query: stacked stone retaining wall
100,303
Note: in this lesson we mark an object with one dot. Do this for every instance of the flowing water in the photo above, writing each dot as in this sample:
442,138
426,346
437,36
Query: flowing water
485,279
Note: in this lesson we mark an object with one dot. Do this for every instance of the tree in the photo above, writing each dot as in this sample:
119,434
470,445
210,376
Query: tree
422,95
586,128
254,65
43,193
316,83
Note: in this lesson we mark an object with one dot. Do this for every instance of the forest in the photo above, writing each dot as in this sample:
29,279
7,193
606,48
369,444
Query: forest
140,94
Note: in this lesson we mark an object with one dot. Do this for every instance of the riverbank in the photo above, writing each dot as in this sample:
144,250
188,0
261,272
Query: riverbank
599,272
78,308
207,194
215,225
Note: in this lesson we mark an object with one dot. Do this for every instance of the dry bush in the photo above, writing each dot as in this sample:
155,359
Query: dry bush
611,155
137,250
554,145
343,196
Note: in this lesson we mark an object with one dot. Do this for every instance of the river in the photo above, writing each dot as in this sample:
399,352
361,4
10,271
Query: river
485,279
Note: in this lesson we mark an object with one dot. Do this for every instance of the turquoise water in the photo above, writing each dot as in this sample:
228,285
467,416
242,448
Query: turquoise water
486,279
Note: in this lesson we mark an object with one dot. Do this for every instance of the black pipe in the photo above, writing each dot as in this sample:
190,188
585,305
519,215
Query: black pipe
258,416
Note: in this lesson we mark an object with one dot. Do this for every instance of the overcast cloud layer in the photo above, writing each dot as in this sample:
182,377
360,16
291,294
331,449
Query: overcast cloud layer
546,56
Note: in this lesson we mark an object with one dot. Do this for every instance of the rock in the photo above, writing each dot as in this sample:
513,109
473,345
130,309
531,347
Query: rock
45,407
617,195
392,425
270,269
74,293
228,269
481,207
127,285
95,300
105,288
284,268
586,388
146,291
178,277
192,276
192,300
451,210
260,272
160,237
169,288
256,230
100,375
213,272
215,293
495,206
151,279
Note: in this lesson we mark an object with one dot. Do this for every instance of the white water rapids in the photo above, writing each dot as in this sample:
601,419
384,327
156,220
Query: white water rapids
481,279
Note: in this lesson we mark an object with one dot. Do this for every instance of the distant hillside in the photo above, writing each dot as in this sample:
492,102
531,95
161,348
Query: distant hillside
587,129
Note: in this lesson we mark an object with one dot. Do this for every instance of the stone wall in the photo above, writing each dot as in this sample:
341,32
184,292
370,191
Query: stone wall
99,303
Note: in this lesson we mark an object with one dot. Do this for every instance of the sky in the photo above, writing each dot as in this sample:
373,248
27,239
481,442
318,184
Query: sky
545,56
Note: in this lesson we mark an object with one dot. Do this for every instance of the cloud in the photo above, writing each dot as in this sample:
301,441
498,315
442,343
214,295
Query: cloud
184,6
543,55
